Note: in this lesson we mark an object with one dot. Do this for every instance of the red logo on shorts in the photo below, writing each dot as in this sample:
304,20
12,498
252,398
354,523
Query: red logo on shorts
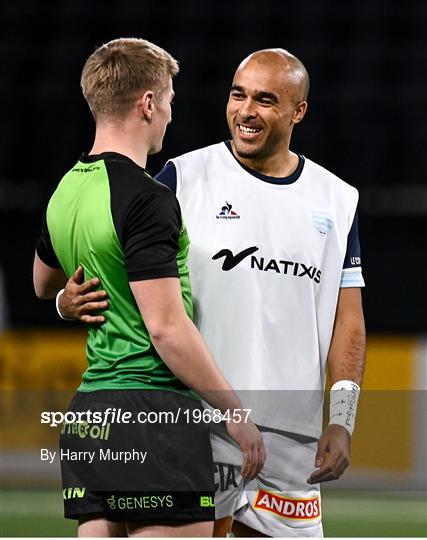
302,509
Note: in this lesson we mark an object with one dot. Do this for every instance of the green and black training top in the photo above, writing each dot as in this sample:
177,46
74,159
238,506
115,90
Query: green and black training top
121,225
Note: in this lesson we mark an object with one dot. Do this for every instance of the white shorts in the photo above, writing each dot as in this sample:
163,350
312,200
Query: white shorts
279,502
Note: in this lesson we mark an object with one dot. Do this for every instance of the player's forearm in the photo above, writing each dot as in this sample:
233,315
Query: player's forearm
183,350
47,280
178,341
346,359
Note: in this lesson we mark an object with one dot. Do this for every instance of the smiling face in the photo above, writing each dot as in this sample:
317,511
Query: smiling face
266,99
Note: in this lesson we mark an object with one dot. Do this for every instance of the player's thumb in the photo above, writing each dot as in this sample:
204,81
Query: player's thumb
79,275
322,446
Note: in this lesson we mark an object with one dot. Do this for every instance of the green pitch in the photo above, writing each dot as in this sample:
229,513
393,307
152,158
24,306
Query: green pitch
39,513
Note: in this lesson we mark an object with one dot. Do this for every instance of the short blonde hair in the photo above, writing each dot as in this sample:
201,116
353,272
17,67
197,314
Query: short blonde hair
114,74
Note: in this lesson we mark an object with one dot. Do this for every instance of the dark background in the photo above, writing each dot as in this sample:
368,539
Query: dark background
367,118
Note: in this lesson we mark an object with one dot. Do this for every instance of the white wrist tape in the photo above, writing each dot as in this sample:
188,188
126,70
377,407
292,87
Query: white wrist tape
57,304
343,405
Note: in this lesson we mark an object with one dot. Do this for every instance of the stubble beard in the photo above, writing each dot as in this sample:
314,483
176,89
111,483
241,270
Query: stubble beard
255,153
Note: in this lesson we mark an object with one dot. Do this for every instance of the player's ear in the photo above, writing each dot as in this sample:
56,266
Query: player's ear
146,105
299,112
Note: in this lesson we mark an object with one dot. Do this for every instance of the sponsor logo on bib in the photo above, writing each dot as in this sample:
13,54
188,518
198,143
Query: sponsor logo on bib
298,269
231,260
322,222
227,212
288,508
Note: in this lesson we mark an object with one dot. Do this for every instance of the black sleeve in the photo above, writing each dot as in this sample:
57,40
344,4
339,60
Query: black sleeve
352,257
147,219
167,176
44,247
150,237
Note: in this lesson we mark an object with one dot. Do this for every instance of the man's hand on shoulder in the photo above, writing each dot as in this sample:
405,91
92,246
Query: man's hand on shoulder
80,301
333,454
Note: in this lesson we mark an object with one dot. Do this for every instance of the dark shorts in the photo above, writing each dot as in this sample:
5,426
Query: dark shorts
148,460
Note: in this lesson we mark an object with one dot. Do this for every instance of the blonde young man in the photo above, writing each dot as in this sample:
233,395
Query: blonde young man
108,215
276,272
